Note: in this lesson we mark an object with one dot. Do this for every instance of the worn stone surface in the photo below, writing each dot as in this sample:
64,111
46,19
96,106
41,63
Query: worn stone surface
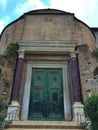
65,27
87,65
44,125
7,68
47,27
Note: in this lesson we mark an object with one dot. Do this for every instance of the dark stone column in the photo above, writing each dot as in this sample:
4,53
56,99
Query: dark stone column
78,107
77,97
18,76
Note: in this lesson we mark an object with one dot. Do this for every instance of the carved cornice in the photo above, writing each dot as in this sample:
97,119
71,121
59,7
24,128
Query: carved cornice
59,47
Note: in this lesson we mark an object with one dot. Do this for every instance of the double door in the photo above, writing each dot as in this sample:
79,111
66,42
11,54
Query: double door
46,95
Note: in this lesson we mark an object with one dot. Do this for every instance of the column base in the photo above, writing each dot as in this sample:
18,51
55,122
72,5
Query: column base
78,112
13,111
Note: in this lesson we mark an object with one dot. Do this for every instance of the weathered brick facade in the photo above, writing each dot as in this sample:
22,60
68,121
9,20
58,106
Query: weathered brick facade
49,25
7,71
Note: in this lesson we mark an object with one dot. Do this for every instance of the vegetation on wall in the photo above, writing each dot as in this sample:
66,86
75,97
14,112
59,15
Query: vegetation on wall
95,53
2,107
7,62
3,122
91,108
10,51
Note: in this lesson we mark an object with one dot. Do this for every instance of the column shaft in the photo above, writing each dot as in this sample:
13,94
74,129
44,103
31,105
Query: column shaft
77,97
17,81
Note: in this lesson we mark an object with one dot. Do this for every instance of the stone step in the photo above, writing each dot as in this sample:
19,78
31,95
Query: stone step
40,129
44,125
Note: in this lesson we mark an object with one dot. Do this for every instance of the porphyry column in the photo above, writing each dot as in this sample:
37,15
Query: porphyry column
18,76
78,107
14,106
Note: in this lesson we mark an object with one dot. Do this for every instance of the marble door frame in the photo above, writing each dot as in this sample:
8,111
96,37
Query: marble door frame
26,92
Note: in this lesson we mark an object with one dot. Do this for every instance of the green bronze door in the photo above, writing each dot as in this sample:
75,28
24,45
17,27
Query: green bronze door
46,95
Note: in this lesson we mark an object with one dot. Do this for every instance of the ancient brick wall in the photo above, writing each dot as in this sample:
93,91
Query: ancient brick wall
87,64
7,71
47,27
51,27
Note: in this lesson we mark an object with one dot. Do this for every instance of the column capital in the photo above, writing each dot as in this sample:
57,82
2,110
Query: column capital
73,54
21,53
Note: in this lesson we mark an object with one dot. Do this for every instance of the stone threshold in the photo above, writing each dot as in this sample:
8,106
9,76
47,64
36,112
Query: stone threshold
45,124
